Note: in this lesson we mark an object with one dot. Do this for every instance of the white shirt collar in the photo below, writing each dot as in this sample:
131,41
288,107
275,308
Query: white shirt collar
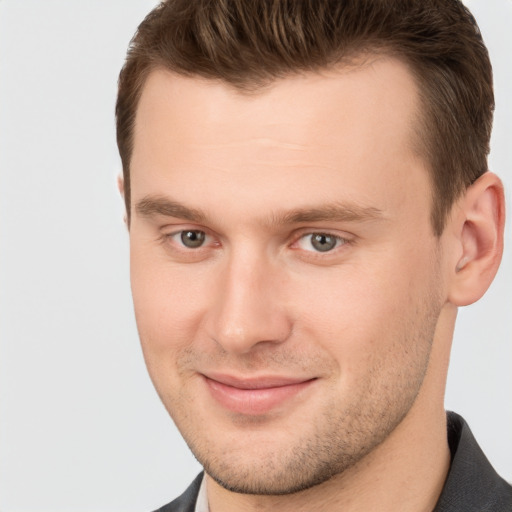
202,498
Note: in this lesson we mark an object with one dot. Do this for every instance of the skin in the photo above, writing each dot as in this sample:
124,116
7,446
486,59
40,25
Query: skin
364,328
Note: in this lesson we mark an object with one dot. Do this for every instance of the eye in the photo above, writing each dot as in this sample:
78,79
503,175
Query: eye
189,244
191,238
320,242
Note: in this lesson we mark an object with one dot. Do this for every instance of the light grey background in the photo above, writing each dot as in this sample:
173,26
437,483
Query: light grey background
81,428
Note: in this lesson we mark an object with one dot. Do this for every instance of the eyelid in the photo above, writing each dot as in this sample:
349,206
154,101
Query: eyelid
342,240
177,238
171,234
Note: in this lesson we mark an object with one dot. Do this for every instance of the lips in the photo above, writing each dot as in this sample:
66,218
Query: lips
256,395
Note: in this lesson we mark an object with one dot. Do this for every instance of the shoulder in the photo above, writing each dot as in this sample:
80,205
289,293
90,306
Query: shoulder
472,483
187,501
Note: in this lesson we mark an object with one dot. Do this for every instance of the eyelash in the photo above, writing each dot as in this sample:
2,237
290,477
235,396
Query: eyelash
339,241
175,238
178,234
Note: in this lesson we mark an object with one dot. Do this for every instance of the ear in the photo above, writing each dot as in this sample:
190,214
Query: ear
478,224
120,187
120,184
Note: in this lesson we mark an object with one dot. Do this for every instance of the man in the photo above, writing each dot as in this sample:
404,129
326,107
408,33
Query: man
308,202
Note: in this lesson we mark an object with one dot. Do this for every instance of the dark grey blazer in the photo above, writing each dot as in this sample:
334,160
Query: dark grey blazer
472,484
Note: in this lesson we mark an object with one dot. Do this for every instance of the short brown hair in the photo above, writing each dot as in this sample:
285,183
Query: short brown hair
251,43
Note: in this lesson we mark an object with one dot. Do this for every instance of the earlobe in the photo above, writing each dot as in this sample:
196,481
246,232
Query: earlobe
479,224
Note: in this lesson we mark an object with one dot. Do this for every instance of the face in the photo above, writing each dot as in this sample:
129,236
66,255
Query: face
284,270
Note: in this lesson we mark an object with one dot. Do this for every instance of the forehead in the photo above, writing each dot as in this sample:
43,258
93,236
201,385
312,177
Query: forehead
380,89
345,127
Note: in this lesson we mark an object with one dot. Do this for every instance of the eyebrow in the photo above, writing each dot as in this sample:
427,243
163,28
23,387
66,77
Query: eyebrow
337,212
151,206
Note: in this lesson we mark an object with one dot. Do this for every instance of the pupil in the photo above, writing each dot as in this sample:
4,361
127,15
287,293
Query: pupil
192,239
323,243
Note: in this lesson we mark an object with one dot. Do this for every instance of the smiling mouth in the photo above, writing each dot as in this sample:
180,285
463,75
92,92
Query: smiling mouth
254,396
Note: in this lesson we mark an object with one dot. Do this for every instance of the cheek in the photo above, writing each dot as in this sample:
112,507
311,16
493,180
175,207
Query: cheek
360,314
168,302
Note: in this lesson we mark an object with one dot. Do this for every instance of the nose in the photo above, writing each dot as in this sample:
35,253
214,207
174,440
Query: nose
249,309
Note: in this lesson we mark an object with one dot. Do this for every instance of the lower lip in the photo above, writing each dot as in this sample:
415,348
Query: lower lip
254,401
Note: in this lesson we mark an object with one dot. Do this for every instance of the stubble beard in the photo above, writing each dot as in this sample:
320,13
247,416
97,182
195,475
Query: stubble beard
337,438
333,443
340,440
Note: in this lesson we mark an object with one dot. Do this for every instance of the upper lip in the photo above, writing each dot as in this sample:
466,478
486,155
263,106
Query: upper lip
257,382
